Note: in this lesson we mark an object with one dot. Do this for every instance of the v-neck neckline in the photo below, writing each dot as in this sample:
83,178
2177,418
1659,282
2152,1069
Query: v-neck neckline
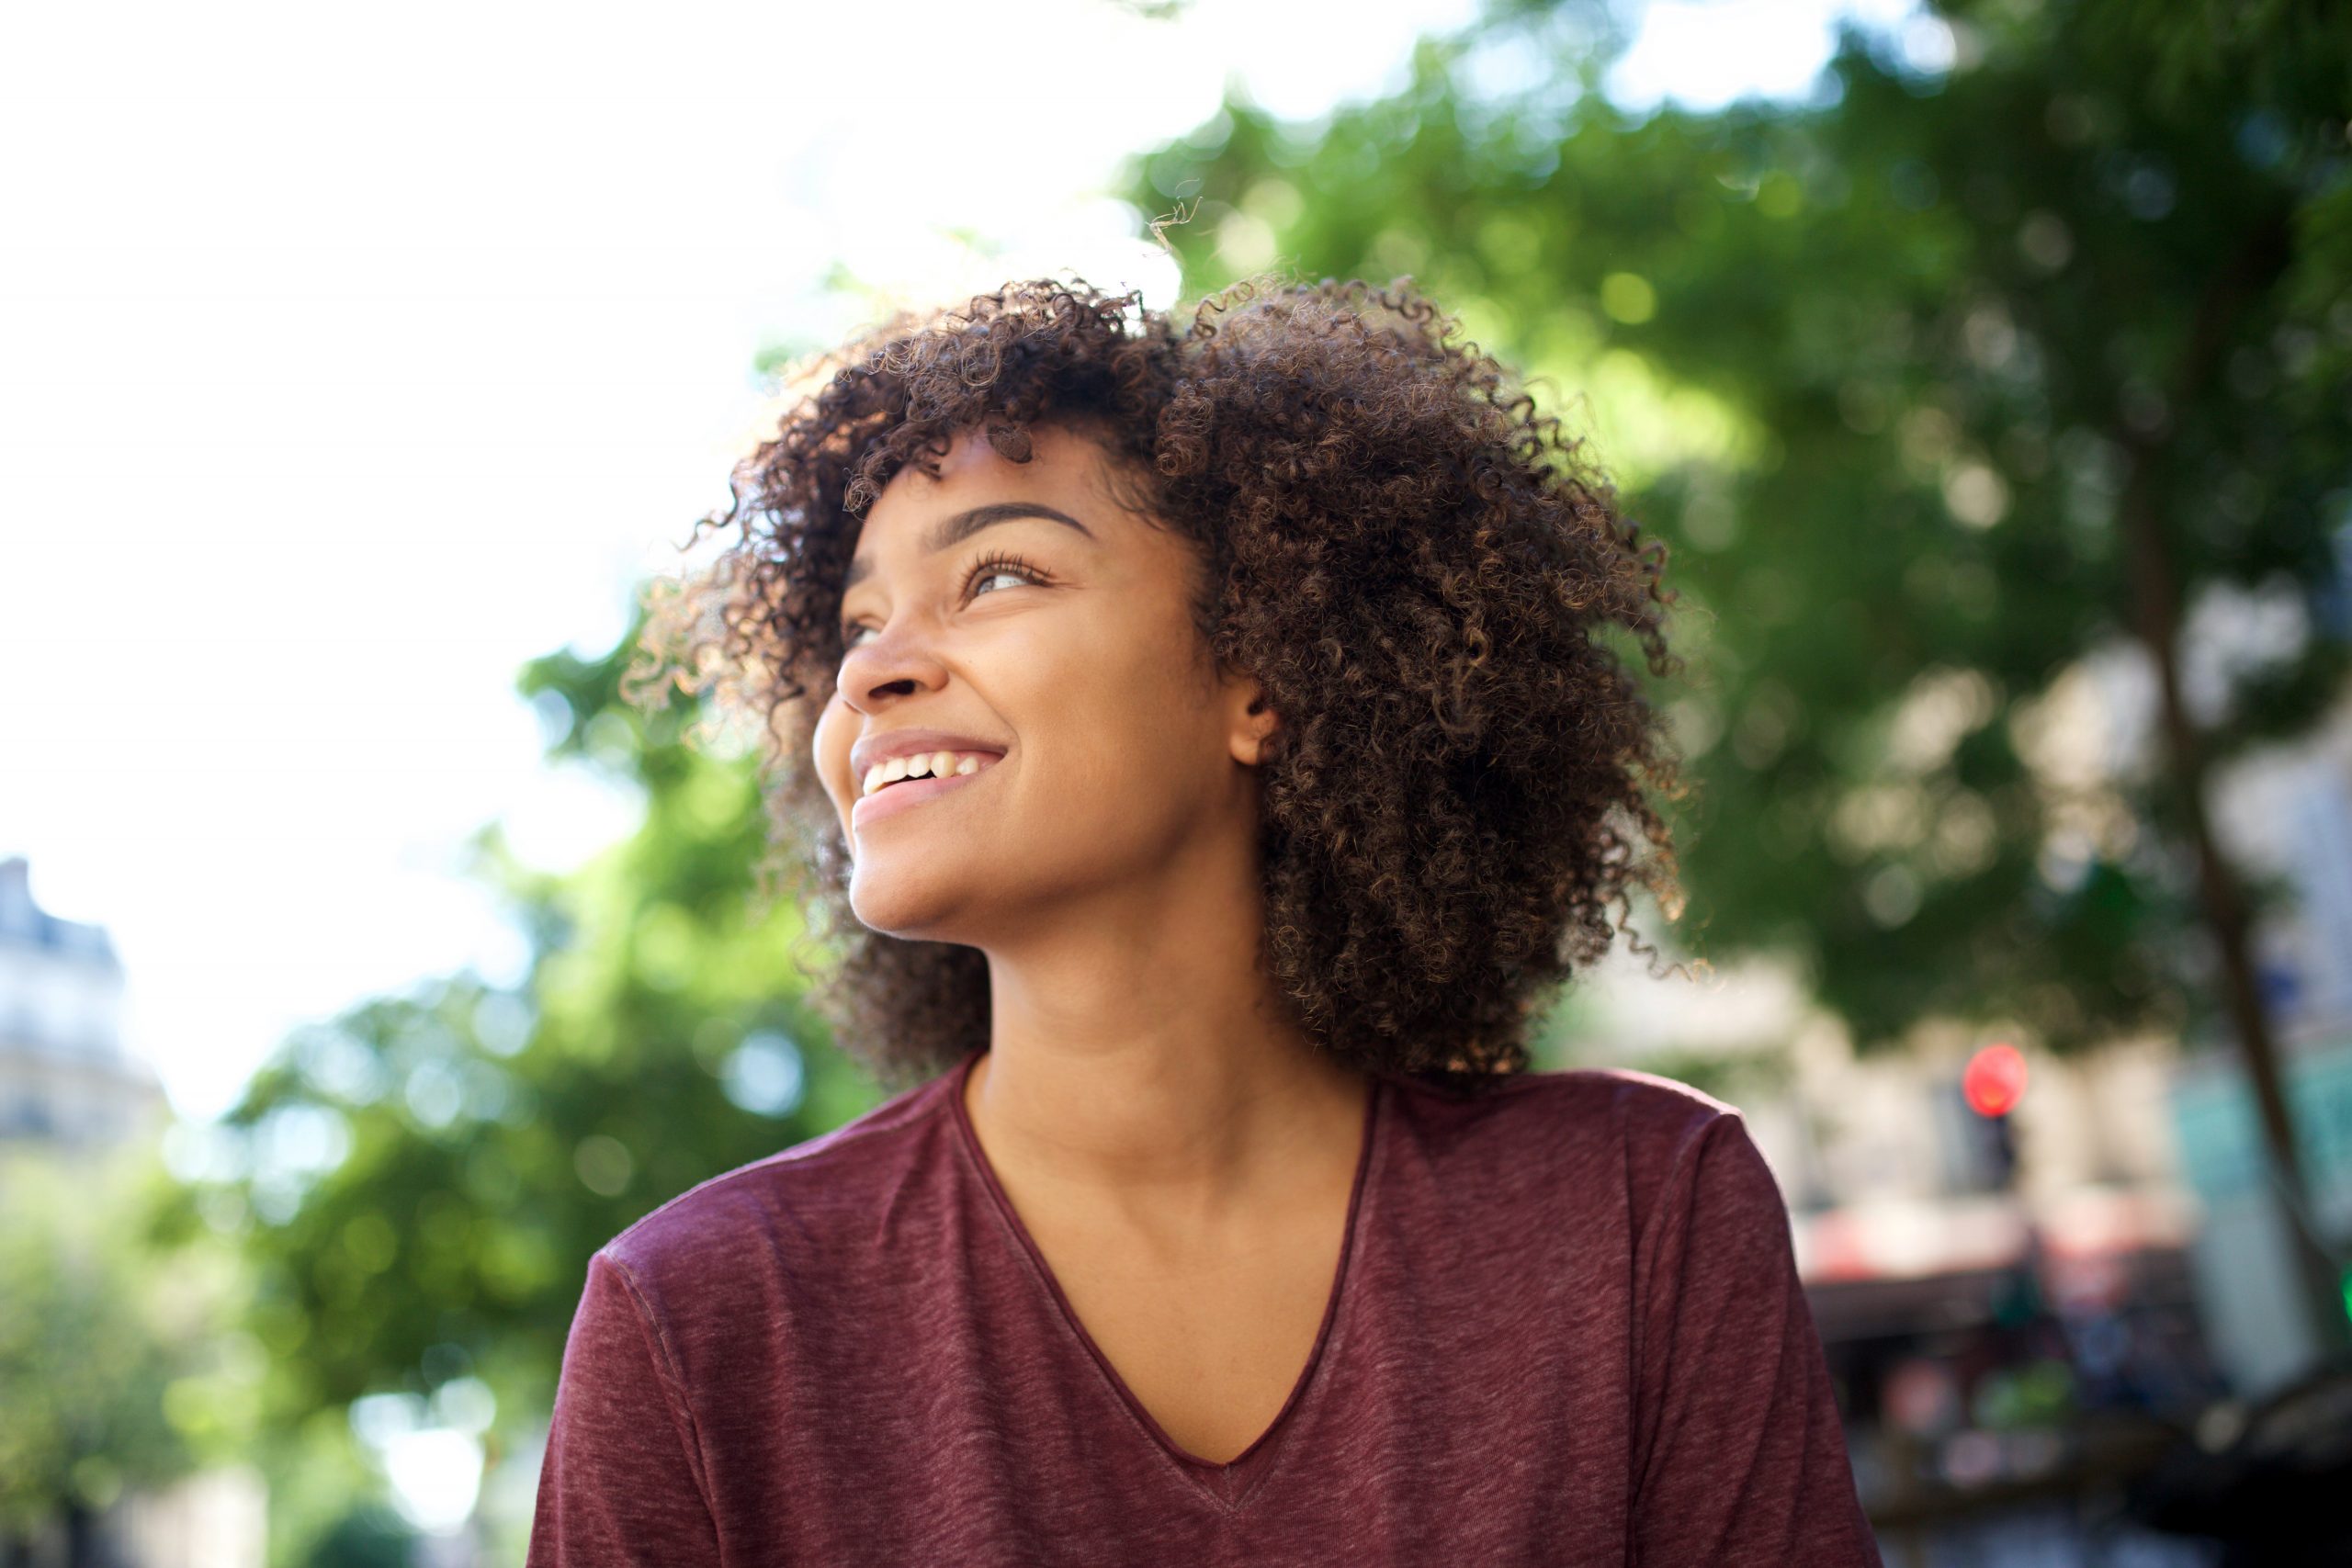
1233,1481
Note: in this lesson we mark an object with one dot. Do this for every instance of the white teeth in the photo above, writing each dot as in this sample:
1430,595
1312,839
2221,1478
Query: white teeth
922,764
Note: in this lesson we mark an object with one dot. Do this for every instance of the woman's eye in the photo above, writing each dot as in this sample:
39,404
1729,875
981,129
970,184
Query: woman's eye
1022,576
988,569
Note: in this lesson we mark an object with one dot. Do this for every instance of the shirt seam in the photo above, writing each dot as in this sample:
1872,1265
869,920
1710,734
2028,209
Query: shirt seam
1685,1157
672,1385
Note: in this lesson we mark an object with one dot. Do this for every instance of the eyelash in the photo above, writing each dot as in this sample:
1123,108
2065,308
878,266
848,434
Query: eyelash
986,567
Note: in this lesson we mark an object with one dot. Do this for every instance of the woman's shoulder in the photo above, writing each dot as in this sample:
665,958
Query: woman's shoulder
796,1204
1580,1124
1574,1102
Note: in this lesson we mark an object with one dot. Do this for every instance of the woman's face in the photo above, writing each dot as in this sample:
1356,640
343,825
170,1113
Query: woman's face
1015,614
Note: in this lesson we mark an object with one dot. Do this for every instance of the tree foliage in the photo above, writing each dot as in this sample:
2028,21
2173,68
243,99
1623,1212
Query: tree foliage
120,1366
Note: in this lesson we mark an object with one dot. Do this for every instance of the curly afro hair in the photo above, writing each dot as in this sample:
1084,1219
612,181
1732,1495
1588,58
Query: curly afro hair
1420,572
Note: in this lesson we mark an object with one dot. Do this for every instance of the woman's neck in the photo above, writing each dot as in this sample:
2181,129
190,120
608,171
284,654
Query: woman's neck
1143,1056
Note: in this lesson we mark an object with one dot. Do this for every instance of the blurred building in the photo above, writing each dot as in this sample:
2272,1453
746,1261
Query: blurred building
65,1080
69,1090
2286,818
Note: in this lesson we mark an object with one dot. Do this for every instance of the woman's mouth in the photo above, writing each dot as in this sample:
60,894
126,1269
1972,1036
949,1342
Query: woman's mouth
906,794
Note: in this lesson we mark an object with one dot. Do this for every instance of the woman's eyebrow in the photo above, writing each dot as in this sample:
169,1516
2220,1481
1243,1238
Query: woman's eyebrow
954,530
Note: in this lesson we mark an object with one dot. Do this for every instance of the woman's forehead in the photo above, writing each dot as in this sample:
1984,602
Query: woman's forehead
1065,469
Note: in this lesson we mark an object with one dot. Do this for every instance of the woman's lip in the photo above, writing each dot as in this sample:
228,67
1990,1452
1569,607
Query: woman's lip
891,799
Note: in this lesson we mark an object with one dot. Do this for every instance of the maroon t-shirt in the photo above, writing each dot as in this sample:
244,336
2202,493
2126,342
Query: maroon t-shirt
1566,1328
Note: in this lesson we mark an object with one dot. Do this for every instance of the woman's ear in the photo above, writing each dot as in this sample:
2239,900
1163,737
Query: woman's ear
1252,722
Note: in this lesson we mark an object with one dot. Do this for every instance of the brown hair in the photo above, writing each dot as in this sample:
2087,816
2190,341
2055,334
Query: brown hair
1419,570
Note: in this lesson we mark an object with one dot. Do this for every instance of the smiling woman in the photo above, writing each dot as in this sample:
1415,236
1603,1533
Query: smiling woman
1352,511
1203,749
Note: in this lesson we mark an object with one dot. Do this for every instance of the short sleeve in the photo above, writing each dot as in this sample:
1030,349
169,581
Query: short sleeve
1739,1459
621,1483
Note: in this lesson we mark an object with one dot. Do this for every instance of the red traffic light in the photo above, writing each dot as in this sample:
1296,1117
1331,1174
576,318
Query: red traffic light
1994,1080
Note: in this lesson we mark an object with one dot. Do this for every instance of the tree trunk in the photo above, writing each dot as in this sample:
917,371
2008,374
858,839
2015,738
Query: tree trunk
2156,606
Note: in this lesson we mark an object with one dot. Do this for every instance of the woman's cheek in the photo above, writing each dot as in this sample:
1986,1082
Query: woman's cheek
829,753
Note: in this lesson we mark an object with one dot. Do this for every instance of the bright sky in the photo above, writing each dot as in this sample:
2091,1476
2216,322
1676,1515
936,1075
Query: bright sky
355,357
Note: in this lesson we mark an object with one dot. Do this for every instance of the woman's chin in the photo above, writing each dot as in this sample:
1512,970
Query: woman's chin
909,904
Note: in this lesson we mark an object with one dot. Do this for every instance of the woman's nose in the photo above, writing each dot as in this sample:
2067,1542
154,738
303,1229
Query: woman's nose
897,660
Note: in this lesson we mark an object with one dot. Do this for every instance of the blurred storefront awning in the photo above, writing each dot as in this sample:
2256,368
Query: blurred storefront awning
1911,1264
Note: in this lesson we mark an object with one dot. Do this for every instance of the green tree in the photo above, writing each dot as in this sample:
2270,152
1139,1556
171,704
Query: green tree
119,1370
419,1182
1937,384
368,1536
